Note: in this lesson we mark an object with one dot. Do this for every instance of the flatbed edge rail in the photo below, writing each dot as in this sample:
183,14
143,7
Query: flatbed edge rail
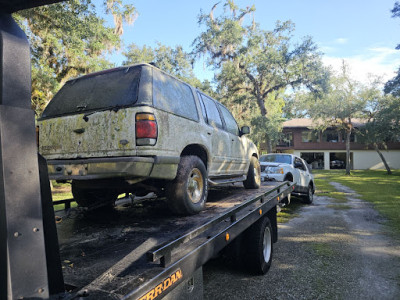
164,252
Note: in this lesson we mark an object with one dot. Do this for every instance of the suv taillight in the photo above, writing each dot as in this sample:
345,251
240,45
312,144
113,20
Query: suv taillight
146,129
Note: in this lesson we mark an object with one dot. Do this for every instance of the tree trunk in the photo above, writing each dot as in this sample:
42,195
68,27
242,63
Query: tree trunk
389,172
268,143
348,134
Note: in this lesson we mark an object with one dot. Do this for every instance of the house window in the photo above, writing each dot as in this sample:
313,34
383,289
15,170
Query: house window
286,140
309,137
353,137
331,136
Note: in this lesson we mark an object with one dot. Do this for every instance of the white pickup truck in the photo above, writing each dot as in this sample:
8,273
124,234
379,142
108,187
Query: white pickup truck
289,167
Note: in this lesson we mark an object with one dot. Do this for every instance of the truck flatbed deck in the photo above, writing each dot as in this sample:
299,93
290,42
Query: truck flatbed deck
127,251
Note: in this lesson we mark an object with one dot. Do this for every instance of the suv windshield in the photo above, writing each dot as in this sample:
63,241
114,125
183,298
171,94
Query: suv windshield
278,158
103,90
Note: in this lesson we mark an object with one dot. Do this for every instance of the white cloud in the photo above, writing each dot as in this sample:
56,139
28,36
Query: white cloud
382,62
341,41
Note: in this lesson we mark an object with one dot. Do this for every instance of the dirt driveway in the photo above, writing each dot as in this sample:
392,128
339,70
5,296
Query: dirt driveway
332,250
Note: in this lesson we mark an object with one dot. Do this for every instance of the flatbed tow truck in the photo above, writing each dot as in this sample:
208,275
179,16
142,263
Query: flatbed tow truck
141,251
134,251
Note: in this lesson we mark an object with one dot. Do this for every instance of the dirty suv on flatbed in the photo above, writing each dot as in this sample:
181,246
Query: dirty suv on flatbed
136,130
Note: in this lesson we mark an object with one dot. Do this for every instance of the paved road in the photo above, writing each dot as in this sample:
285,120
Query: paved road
332,250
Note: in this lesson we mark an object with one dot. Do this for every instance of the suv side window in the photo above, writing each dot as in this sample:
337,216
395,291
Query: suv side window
212,113
230,122
300,163
203,108
173,96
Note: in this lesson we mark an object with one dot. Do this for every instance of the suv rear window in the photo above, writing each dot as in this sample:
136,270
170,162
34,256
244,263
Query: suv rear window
109,90
173,96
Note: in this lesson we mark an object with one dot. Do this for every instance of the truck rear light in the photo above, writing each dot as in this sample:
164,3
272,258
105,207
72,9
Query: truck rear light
146,129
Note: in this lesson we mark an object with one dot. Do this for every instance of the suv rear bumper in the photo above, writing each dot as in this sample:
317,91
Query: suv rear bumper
162,167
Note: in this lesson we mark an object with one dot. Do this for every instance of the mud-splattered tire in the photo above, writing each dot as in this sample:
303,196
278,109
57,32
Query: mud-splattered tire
187,193
93,198
259,241
253,179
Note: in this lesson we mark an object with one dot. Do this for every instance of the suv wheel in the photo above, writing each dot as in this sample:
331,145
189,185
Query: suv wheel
253,180
309,197
187,193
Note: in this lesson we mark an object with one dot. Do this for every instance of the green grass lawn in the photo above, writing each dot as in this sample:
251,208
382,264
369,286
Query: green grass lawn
290,211
61,191
374,186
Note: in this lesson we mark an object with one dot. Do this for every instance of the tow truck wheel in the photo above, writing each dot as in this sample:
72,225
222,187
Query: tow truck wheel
93,198
253,180
309,197
259,246
187,193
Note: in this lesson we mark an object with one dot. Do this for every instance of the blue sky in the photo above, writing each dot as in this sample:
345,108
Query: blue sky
361,32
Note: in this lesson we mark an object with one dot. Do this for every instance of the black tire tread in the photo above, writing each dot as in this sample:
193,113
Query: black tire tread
306,198
250,182
254,258
175,191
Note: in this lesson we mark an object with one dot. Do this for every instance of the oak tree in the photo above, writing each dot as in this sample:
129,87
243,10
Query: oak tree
68,39
253,66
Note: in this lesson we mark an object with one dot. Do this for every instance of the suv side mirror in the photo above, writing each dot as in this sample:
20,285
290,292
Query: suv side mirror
244,130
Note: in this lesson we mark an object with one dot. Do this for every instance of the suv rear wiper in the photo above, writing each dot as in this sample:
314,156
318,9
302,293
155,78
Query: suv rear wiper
113,108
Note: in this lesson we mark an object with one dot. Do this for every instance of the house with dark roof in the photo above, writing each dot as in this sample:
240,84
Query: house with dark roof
327,149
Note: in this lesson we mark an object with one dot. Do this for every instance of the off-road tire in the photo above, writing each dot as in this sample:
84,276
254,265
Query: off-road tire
93,198
187,193
253,179
259,241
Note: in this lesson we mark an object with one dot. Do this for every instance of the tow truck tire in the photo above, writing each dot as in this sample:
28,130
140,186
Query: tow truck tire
187,193
259,246
309,197
253,179
93,198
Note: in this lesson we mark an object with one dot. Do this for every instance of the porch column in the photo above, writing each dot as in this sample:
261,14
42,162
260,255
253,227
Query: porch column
326,160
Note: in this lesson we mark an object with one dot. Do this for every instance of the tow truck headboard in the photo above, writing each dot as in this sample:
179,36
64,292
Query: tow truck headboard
23,271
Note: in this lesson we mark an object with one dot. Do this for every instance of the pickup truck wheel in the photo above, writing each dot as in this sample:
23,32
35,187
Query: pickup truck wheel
93,198
259,246
187,193
253,180
308,199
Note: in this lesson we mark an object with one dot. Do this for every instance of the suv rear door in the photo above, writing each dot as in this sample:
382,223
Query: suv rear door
85,118
221,148
238,149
